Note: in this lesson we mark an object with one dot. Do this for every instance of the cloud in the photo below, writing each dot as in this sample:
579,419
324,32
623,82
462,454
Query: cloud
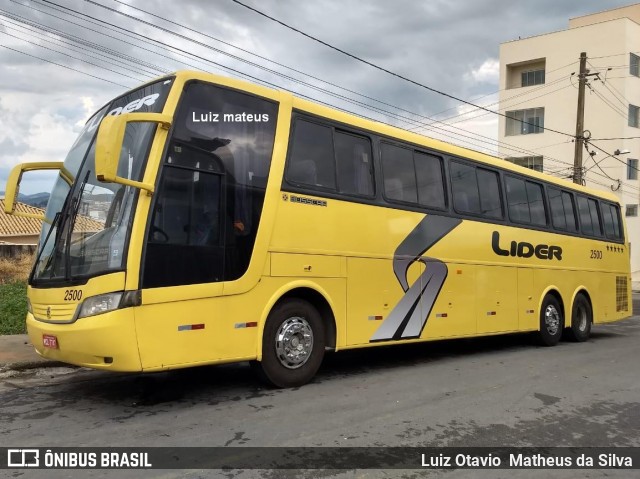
488,72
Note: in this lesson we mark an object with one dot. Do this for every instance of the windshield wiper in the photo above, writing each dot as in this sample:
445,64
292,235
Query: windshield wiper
54,224
71,218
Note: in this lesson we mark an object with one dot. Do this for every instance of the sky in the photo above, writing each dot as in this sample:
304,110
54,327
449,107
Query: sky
60,60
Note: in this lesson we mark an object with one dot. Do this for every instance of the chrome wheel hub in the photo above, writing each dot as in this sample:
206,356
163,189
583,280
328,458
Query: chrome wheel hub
552,320
294,342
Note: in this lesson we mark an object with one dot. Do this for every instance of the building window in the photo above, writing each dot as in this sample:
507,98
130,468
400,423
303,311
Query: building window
525,122
532,162
632,169
634,65
631,210
533,77
634,113
527,73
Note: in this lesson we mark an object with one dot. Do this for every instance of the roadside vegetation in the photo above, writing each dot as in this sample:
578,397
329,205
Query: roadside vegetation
13,293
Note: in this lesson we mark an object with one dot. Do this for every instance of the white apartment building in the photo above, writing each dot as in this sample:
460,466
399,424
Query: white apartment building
539,85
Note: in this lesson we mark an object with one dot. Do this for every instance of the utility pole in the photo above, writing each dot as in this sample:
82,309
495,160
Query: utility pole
577,159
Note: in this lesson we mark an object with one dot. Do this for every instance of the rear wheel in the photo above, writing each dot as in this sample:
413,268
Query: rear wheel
292,344
551,321
581,319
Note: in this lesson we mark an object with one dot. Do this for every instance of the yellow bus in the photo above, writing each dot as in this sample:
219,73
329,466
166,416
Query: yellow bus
203,220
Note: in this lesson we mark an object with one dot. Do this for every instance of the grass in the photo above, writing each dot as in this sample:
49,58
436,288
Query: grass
13,307
13,293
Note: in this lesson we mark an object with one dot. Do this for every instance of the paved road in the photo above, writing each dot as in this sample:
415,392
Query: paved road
497,391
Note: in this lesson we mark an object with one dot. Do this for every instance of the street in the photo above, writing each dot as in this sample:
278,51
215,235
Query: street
496,391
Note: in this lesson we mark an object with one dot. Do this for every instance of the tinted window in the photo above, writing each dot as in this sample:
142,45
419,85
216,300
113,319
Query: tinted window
569,211
562,209
429,176
610,224
526,201
585,216
557,208
595,217
353,162
517,200
536,204
311,162
490,202
399,174
464,186
207,209
615,213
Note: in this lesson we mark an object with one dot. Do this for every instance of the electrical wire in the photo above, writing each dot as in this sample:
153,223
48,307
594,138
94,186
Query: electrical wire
63,66
371,64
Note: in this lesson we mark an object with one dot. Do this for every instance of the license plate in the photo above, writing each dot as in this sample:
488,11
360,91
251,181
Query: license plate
50,341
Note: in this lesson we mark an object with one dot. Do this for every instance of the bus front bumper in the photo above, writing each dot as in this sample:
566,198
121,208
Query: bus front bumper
106,341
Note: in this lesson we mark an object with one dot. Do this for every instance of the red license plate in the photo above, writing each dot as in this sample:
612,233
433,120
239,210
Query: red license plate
49,341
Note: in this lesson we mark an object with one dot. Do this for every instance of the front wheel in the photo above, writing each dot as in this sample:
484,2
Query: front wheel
551,321
581,319
292,344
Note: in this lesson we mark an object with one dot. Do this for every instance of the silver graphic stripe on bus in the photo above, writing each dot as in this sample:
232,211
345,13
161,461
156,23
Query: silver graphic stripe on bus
409,317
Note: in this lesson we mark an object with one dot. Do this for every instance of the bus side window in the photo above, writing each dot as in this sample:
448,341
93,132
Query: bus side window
569,211
610,215
353,164
595,217
517,200
399,173
464,186
311,162
607,218
585,216
558,217
535,199
490,200
430,180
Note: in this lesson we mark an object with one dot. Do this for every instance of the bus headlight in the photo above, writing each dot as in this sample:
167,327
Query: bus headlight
100,304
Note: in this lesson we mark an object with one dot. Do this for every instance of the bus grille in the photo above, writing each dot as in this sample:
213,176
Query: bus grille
622,300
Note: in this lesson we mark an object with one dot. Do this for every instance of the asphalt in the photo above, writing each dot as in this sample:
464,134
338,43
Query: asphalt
17,353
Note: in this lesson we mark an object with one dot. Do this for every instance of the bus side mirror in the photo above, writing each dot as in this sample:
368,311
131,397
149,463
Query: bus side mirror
109,144
13,184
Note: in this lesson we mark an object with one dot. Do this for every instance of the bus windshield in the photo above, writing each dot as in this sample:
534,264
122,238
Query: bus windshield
87,222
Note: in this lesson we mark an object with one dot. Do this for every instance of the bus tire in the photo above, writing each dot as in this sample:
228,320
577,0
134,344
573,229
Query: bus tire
581,319
551,321
292,344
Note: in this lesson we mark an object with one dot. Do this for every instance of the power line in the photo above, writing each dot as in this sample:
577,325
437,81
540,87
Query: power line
397,75
473,110
363,105
513,148
618,138
63,66
609,104
146,39
102,59
462,120
70,56
77,39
